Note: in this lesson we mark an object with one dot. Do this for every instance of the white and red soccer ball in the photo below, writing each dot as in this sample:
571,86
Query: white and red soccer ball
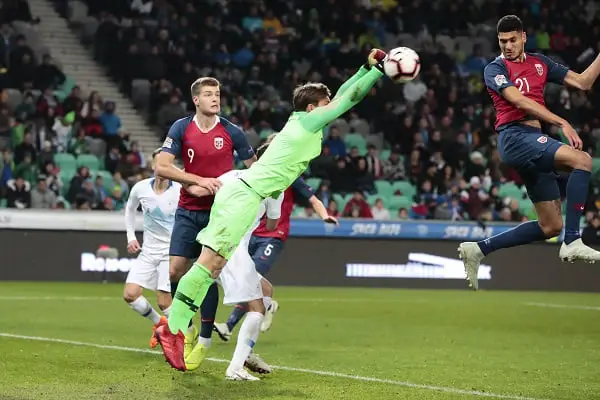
402,64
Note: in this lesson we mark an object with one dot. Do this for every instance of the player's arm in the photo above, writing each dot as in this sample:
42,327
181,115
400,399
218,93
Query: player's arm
165,167
375,56
240,144
496,79
586,79
273,211
321,116
133,202
304,190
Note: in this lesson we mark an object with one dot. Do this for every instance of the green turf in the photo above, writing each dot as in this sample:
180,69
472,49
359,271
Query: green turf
488,342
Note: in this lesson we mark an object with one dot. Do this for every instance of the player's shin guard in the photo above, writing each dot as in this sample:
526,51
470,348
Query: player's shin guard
208,310
191,291
247,338
236,315
577,191
527,232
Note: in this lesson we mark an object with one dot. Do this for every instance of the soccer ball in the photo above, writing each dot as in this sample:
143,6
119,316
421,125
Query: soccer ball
402,64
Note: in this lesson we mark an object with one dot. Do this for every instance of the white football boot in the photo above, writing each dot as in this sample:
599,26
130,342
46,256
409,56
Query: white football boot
222,330
256,364
578,251
269,314
471,255
239,375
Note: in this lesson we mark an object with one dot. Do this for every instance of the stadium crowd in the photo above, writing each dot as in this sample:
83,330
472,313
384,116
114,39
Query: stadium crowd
426,149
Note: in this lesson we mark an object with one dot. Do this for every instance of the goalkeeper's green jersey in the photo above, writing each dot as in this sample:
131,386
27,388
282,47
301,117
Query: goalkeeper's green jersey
300,140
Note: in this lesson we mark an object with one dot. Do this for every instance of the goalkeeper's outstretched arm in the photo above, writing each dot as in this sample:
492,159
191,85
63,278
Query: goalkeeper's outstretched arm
321,116
362,71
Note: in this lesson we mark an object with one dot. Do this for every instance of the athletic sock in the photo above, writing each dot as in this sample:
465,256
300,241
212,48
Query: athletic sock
208,310
247,338
524,233
191,291
267,300
166,311
174,286
236,315
577,191
206,342
144,308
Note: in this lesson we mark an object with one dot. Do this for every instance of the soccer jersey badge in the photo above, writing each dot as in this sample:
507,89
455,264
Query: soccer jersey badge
540,69
542,139
500,80
218,143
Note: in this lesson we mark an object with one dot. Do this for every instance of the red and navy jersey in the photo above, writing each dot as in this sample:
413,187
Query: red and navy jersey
207,154
529,76
282,231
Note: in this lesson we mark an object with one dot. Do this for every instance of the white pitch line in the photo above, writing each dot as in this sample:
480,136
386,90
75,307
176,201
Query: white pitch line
58,298
284,368
568,306
282,299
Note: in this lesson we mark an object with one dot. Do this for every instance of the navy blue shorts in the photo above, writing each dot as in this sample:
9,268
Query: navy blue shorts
531,153
187,225
264,252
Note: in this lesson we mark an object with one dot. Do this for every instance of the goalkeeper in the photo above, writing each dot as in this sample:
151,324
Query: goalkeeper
237,203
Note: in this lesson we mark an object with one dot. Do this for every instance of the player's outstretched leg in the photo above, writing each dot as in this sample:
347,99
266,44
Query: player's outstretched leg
573,248
472,253
247,338
138,303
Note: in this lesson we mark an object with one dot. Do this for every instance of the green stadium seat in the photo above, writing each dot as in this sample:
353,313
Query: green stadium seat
405,187
298,212
339,199
509,190
65,161
372,198
107,179
355,140
385,154
313,183
398,202
88,160
2,203
384,188
526,208
595,165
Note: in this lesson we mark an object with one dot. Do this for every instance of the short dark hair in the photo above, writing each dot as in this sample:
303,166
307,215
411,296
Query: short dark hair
309,93
509,23
204,81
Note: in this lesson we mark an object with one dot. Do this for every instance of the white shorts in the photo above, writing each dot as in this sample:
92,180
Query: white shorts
150,272
239,279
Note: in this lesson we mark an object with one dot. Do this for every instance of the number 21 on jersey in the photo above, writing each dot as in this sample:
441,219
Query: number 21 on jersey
522,85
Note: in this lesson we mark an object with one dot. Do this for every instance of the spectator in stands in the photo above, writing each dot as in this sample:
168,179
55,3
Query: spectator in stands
591,233
324,193
357,207
48,74
53,181
113,160
73,102
341,177
82,174
5,127
111,124
379,211
100,189
322,166
27,169
364,180
25,148
79,143
393,169
94,102
18,195
476,200
170,112
23,74
26,109
136,155
7,169
335,143
62,128
41,196
46,155
92,125
374,164
332,209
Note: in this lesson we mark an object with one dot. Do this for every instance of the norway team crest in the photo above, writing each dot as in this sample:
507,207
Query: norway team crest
218,143
540,69
542,139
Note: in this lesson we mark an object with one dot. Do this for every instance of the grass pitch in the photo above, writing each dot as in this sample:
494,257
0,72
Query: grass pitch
80,341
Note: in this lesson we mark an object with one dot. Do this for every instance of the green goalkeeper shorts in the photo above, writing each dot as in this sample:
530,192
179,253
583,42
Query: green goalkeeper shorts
231,216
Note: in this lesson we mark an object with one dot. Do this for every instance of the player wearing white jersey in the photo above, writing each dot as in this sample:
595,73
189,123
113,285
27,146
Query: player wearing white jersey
158,198
242,284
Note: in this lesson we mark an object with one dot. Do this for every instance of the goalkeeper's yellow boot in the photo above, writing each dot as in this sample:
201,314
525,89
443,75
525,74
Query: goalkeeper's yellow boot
196,357
191,338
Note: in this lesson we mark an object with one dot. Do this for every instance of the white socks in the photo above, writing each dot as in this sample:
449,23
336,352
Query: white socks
144,308
167,311
247,338
267,301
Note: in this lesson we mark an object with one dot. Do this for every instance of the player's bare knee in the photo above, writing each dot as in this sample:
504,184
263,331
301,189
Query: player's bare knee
256,306
267,288
130,294
584,161
177,268
551,228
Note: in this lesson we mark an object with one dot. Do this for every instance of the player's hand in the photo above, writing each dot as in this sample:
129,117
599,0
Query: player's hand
133,247
572,136
376,56
331,220
212,184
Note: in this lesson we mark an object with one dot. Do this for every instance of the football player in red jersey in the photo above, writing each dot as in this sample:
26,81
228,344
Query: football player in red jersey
205,142
516,81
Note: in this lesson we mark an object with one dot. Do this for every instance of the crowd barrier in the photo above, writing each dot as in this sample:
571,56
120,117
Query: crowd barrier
63,246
